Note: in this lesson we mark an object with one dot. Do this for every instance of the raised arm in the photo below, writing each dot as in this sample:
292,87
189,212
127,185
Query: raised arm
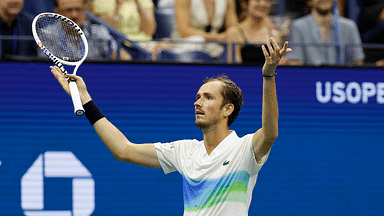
113,138
267,134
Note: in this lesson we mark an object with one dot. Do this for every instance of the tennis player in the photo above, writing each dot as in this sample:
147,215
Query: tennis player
220,172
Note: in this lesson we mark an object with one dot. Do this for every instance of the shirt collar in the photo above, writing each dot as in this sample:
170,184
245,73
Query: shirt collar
224,144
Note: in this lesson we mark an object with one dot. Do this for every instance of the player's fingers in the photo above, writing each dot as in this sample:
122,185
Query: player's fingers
60,78
275,45
73,77
58,74
79,81
266,55
285,49
270,49
54,70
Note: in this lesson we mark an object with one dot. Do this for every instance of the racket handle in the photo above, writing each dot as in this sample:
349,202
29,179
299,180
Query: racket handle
79,110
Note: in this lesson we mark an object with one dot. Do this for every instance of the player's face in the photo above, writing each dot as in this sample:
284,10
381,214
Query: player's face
73,9
208,103
11,7
259,8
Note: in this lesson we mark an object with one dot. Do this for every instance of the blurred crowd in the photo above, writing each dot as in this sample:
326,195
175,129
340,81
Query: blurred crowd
321,32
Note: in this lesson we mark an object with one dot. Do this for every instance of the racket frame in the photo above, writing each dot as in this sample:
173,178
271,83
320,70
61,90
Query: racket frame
78,108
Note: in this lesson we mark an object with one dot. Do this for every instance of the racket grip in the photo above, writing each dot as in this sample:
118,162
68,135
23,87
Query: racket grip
79,110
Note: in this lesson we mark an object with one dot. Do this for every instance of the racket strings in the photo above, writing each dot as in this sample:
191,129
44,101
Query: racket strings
60,38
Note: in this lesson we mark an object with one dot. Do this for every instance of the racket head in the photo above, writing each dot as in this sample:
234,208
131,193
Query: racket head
61,39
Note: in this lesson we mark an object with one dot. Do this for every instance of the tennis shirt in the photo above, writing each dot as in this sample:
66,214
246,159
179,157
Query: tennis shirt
217,184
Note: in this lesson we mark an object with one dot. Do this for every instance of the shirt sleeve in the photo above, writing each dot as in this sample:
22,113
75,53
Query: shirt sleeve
168,154
249,148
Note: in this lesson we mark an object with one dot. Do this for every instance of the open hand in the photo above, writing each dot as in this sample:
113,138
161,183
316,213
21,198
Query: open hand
63,80
274,56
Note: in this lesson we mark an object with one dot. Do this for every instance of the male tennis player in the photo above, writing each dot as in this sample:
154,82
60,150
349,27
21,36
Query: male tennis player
220,172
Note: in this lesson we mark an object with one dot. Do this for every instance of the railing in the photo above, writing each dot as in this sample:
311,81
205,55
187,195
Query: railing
195,52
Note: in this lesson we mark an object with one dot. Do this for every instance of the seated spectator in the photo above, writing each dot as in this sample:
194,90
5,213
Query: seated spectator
202,20
371,22
13,22
134,18
101,44
313,38
257,28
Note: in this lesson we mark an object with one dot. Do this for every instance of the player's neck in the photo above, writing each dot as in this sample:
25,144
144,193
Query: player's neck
213,137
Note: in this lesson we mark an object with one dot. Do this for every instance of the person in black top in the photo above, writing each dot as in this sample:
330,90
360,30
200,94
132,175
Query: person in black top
254,31
371,26
371,23
13,22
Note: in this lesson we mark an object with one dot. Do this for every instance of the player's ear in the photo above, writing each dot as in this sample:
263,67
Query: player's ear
228,109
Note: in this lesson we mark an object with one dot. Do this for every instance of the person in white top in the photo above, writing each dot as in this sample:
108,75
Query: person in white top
204,18
198,24
220,172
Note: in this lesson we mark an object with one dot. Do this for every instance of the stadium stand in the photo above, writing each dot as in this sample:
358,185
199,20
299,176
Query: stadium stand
165,22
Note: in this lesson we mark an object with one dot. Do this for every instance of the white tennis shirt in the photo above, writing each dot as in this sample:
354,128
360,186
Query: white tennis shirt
217,184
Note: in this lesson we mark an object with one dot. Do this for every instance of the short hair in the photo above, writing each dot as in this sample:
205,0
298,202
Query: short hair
231,94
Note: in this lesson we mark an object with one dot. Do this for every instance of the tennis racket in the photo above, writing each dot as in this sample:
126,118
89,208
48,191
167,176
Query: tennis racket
65,44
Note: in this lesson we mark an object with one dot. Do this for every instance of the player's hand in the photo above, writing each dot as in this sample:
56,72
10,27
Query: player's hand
84,95
60,78
274,56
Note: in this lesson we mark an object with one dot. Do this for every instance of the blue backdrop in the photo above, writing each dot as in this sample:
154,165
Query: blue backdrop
327,160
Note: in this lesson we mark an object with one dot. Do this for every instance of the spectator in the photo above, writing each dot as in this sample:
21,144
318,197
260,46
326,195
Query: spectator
313,38
13,22
101,44
371,22
134,18
199,20
257,28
